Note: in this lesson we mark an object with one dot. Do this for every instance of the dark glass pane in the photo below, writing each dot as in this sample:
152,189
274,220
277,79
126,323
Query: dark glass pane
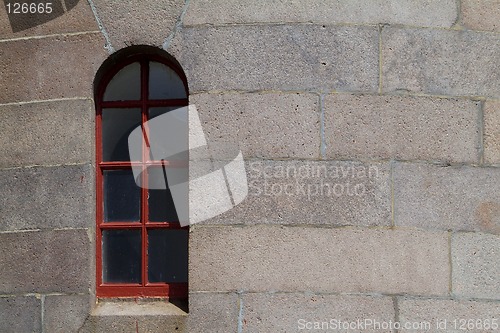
122,196
121,256
125,85
167,255
168,133
160,201
116,127
164,83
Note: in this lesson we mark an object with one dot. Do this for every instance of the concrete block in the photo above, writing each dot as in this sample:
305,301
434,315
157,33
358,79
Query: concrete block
47,197
440,62
476,272
65,314
429,13
445,315
20,314
448,198
279,57
47,133
305,312
45,261
51,67
313,192
278,258
481,14
492,132
130,22
77,18
213,312
404,128
269,125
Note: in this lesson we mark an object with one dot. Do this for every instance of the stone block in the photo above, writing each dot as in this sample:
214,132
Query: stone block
481,14
20,314
44,262
277,258
47,197
47,133
492,132
65,313
440,62
399,127
213,312
447,197
476,273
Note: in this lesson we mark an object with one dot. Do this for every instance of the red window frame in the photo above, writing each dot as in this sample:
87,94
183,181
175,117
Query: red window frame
145,289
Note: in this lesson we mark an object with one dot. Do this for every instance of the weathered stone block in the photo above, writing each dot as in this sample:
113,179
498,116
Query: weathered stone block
405,128
441,62
44,261
304,312
279,57
476,272
65,314
447,197
269,125
431,13
20,314
47,197
51,67
481,14
213,312
277,258
492,132
46,133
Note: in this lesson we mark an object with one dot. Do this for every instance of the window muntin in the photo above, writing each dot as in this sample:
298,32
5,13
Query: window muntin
141,248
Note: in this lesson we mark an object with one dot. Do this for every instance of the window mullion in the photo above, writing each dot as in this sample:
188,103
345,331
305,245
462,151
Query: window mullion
145,152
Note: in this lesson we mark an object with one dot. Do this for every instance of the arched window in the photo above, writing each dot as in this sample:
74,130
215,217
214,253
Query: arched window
141,247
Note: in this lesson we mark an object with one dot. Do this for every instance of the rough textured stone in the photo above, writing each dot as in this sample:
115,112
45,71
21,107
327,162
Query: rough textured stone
44,261
481,14
433,13
143,323
268,125
130,22
47,197
441,197
441,62
292,312
46,133
277,258
65,314
213,313
312,192
434,311
476,272
405,128
49,68
492,132
78,19
279,57
20,314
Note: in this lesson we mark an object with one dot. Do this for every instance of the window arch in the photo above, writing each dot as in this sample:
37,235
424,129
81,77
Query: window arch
141,249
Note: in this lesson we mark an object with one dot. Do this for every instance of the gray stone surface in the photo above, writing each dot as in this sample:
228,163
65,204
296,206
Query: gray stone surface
134,324
492,132
447,313
404,128
130,22
269,125
20,314
433,13
279,57
210,312
47,197
47,133
51,67
65,314
481,14
441,62
278,258
44,261
297,312
441,197
476,272
313,192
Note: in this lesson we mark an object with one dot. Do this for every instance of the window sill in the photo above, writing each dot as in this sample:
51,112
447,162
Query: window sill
135,307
